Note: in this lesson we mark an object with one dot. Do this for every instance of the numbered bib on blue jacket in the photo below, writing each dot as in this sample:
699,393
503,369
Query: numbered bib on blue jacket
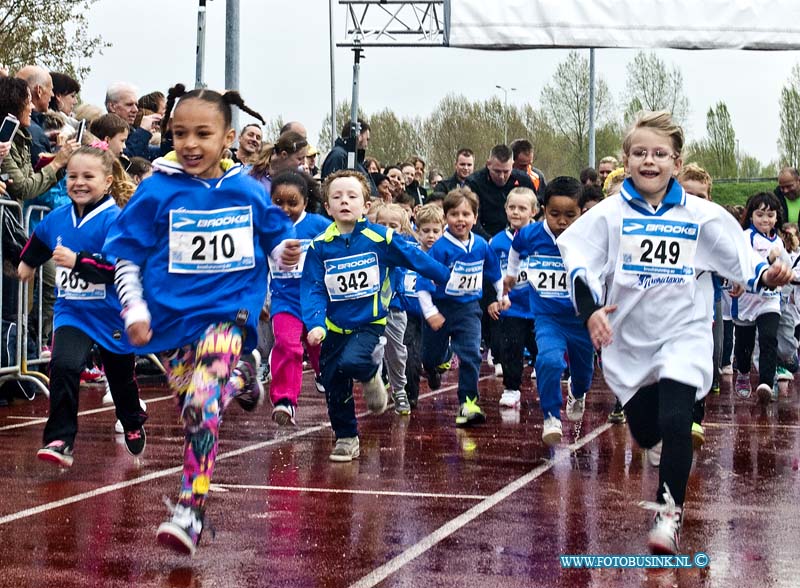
357,276
466,279
211,241
547,275
71,287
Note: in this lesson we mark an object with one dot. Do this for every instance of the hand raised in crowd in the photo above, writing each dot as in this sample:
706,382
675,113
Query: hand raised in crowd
62,156
151,122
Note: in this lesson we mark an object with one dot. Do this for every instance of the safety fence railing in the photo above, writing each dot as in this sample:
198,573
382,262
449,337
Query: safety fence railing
18,356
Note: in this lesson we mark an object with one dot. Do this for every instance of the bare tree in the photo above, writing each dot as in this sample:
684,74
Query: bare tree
53,33
565,102
652,86
789,142
721,142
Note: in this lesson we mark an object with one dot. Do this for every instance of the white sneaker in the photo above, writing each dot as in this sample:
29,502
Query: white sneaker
533,373
575,407
510,398
118,427
375,393
498,370
664,537
489,358
654,455
107,398
551,431
346,449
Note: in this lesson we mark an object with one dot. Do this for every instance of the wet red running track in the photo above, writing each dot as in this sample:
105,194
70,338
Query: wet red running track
427,505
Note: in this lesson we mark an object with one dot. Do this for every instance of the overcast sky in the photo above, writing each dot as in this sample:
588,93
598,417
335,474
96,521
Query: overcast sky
285,67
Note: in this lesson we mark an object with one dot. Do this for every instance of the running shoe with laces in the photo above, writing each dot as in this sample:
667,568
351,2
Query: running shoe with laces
135,441
284,414
470,413
182,532
510,399
575,407
551,431
664,537
764,393
346,449
93,375
251,394
318,383
742,385
57,452
617,415
783,375
375,394
401,404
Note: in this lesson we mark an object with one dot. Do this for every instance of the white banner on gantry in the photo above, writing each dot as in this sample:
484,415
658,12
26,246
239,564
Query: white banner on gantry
680,24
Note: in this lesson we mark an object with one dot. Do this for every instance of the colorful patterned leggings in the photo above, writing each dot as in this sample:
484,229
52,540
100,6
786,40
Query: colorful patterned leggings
201,376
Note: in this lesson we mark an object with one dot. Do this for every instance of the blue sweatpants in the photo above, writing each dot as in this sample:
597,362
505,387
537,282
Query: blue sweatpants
555,336
344,358
461,332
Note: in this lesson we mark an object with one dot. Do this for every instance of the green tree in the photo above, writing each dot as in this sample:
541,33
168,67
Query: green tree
53,33
652,86
750,167
720,142
395,139
325,141
565,102
789,142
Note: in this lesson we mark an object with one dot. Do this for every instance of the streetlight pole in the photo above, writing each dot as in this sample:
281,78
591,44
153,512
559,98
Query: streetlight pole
505,111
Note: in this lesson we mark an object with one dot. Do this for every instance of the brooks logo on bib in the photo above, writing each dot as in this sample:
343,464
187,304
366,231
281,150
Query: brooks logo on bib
211,241
357,276
547,275
71,287
658,246
466,279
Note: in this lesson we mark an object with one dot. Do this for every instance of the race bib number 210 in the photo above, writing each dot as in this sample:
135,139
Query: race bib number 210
211,241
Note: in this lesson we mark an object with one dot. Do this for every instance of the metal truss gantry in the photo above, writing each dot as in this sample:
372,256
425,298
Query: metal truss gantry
394,23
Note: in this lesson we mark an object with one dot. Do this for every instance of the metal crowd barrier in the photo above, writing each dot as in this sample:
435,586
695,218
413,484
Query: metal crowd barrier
18,370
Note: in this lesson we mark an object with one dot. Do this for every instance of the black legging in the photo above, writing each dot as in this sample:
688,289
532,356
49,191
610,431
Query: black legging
744,342
663,412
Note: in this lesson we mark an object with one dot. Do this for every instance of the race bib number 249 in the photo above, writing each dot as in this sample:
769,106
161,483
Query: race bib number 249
658,246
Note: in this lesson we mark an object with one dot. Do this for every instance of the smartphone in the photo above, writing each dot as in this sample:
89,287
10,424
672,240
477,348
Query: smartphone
79,134
9,128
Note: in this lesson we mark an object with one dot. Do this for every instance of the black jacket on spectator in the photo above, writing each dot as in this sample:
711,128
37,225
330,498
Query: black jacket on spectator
138,145
337,159
39,141
450,183
492,198
418,193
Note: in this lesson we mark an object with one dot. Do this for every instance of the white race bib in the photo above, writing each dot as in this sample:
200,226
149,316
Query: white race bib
658,247
410,284
296,273
211,241
71,287
522,275
348,278
547,275
466,279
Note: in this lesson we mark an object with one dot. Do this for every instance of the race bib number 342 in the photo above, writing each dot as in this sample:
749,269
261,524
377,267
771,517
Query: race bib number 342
211,241
658,246
357,276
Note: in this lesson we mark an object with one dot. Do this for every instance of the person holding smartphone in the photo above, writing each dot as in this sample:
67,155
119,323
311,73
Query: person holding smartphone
15,99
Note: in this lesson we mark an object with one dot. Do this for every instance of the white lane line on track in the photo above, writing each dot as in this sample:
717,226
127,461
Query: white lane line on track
379,574
37,420
347,491
29,512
